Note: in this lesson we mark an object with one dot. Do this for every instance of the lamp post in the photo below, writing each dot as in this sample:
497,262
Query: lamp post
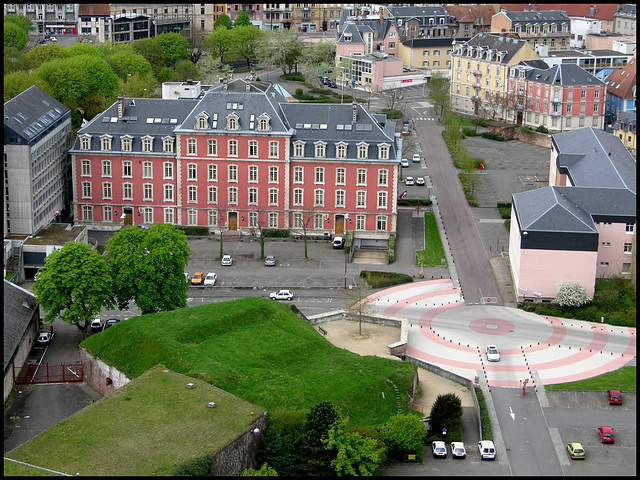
346,249
342,97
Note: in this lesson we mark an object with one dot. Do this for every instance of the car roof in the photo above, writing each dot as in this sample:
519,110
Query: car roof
615,392
210,273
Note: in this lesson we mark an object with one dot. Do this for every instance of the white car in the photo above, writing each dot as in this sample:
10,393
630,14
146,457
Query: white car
408,181
420,181
487,450
96,324
416,158
44,338
458,450
439,449
281,295
404,162
210,279
493,355
226,260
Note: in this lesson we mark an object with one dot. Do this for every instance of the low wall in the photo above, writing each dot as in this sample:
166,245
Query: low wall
510,132
103,378
240,453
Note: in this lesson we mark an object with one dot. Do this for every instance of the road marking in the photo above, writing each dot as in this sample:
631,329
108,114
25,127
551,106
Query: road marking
513,415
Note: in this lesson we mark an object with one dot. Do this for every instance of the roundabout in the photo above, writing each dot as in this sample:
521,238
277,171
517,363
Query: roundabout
444,332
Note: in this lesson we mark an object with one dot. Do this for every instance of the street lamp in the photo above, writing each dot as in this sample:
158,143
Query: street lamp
342,98
346,250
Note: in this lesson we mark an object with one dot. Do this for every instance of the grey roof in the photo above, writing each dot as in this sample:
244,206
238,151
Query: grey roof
594,158
428,42
142,116
626,122
493,44
332,123
31,113
548,16
19,308
416,12
354,30
540,64
629,9
565,74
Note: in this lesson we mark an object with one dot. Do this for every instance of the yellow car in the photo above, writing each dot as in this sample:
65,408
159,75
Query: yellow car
575,450
197,278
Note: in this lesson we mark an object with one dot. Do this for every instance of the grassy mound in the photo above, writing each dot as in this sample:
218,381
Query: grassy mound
258,350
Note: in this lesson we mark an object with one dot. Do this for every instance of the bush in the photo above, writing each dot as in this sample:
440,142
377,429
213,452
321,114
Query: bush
542,129
505,209
485,422
275,233
468,132
293,77
446,412
467,190
167,75
492,136
384,279
414,201
391,254
198,467
193,230
526,129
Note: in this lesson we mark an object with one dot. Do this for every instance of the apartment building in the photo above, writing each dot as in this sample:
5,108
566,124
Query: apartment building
625,129
422,21
238,158
94,19
53,18
432,55
469,20
621,91
582,226
479,71
560,98
551,28
37,137
625,20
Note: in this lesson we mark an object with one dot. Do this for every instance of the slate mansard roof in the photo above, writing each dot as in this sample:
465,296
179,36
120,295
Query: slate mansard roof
549,16
490,47
565,74
30,115
160,118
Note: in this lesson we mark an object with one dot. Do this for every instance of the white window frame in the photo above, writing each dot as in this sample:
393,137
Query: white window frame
212,172
341,176
167,170
192,171
212,195
273,197
85,168
147,192
167,192
127,187
212,147
192,148
192,194
147,169
232,173
298,174
252,175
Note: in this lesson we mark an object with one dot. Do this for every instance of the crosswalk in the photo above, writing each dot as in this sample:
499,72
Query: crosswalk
432,119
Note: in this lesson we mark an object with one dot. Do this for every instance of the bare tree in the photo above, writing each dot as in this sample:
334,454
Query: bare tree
258,221
359,302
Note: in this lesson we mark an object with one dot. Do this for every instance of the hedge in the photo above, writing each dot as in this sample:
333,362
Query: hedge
192,230
492,136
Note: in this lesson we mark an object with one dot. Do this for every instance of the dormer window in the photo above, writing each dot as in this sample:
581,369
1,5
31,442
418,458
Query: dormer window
105,142
232,122
363,151
383,152
147,144
125,142
320,149
167,144
341,150
85,142
201,121
263,123
298,149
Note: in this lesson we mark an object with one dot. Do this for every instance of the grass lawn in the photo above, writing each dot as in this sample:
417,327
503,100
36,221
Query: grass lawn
432,255
623,379
150,426
259,350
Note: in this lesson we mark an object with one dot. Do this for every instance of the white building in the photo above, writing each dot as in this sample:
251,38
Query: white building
580,28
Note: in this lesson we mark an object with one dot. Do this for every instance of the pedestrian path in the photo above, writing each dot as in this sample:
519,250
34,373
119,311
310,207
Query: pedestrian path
447,333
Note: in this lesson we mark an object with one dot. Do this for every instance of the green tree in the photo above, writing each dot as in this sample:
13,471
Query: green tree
242,20
446,412
403,433
21,21
126,63
17,82
265,471
356,455
175,47
150,49
281,443
282,48
45,53
571,294
15,36
315,457
14,60
223,21
219,43
149,269
139,85
167,75
74,284
186,70
84,49
438,91
247,39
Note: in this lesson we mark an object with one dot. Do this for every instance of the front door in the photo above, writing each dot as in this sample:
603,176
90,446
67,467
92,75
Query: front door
519,120
128,220
339,224
233,221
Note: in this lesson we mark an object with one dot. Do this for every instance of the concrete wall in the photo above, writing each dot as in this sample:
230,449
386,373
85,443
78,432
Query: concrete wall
100,376
240,453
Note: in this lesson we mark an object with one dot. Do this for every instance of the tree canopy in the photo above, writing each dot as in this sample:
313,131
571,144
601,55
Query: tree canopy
223,21
247,40
404,433
242,20
15,36
356,455
74,284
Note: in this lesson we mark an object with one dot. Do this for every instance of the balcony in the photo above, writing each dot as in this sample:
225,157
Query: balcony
555,114
477,73
519,106
475,84
556,100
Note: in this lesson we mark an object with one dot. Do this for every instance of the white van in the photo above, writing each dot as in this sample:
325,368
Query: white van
338,242
487,450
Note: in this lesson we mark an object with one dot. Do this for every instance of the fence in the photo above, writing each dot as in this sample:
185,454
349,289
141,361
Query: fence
63,373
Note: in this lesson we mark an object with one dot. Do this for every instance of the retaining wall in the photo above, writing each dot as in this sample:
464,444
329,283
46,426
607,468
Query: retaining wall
510,132
240,453
103,378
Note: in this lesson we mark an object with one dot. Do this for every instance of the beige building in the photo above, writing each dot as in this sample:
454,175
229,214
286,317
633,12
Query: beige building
625,20
432,55
551,28
479,71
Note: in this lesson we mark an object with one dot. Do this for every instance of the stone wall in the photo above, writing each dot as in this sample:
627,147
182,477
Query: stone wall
103,378
240,453
510,132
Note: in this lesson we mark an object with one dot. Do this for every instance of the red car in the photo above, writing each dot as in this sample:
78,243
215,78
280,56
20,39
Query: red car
615,397
606,434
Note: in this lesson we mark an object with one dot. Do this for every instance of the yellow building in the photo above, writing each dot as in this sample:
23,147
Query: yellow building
551,28
316,17
479,70
625,129
432,55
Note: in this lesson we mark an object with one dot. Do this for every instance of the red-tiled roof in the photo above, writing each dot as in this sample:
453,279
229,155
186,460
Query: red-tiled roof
472,13
601,11
93,9
625,77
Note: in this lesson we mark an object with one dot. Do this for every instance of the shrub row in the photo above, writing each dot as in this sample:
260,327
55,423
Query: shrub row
505,209
275,233
492,136
384,279
391,254
469,132
414,201
467,191
192,230
485,421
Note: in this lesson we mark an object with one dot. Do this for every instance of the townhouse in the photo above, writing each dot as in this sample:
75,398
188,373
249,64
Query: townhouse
469,20
421,21
479,70
582,226
625,20
552,28
621,91
625,129
432,55
238,158
560,98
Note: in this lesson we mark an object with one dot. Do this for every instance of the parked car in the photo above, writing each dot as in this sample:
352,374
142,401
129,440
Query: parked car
606,434
281,295
615,397
330,84
458,450
420,181
439,449
210,279
44,338
487,450
53,39
338,242
111,322
576,450
197,278
416,158
96,324
406,130
409,181
493,355
226,260
404,162
270,261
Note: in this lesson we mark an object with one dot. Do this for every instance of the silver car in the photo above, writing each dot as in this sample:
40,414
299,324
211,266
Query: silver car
226,260
270,261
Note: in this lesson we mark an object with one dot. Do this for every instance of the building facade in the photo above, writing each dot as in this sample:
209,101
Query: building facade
469,20
582,226
432,55
238,158
95,20
593,61
422,22
552,28
479,72
625,129
560,98
580,28
37,174
621,91
625,20
52,18
315,17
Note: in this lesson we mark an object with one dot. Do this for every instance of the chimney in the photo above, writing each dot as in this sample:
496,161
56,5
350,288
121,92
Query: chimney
355,112
120,105
247,84
225,83
592,10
